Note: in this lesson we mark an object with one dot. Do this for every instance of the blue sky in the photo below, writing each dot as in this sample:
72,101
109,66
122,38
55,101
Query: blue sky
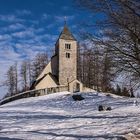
31,26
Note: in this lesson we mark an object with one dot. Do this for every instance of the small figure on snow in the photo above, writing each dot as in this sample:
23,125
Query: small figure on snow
135,103
104,108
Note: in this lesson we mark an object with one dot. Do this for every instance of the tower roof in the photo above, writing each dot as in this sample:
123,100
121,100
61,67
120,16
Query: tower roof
66,34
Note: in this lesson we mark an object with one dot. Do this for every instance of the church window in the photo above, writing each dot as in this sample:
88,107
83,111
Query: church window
67,55
67,46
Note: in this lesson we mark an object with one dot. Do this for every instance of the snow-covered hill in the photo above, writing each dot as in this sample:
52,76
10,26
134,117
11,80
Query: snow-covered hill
58,116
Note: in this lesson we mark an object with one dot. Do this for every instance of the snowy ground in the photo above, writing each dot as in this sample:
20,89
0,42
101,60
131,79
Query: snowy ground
58,117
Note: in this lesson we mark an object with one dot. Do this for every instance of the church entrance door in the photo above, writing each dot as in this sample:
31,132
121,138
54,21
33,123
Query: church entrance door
76,87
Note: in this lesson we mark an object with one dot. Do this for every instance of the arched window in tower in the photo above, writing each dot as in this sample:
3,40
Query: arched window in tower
67,46
67,55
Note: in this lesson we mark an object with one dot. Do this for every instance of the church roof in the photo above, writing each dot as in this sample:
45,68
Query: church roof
51,75
66,34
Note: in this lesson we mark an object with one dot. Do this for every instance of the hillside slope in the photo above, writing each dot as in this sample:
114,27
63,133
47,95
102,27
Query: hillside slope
57,116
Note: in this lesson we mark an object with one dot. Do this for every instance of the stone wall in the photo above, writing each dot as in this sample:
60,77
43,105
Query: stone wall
34,93
67,66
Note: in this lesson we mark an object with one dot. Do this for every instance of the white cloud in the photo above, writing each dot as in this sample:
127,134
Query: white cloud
45,16
51,25
13,27
24,34
16,26
39,30
8,53
23,12
47,37
3,90
5,37
60,28
10,18
17,18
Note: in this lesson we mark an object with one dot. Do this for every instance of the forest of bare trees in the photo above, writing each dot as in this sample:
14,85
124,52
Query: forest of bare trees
117,32
95,67
20,79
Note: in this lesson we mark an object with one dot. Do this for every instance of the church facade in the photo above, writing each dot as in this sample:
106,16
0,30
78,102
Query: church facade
62,69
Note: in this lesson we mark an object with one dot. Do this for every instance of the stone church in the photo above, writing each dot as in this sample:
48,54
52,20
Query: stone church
62,69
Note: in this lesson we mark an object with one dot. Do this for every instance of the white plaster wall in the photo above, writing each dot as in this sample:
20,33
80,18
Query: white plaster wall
47,82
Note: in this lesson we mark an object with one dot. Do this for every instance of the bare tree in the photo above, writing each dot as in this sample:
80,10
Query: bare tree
16,78
29,71
95,67
108,71
38,64
30,77
24,75
12,80
118,30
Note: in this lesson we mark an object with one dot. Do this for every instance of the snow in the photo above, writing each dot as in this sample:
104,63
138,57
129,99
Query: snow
57,116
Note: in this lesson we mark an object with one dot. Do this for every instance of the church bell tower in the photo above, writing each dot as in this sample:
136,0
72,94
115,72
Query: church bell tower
66,50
